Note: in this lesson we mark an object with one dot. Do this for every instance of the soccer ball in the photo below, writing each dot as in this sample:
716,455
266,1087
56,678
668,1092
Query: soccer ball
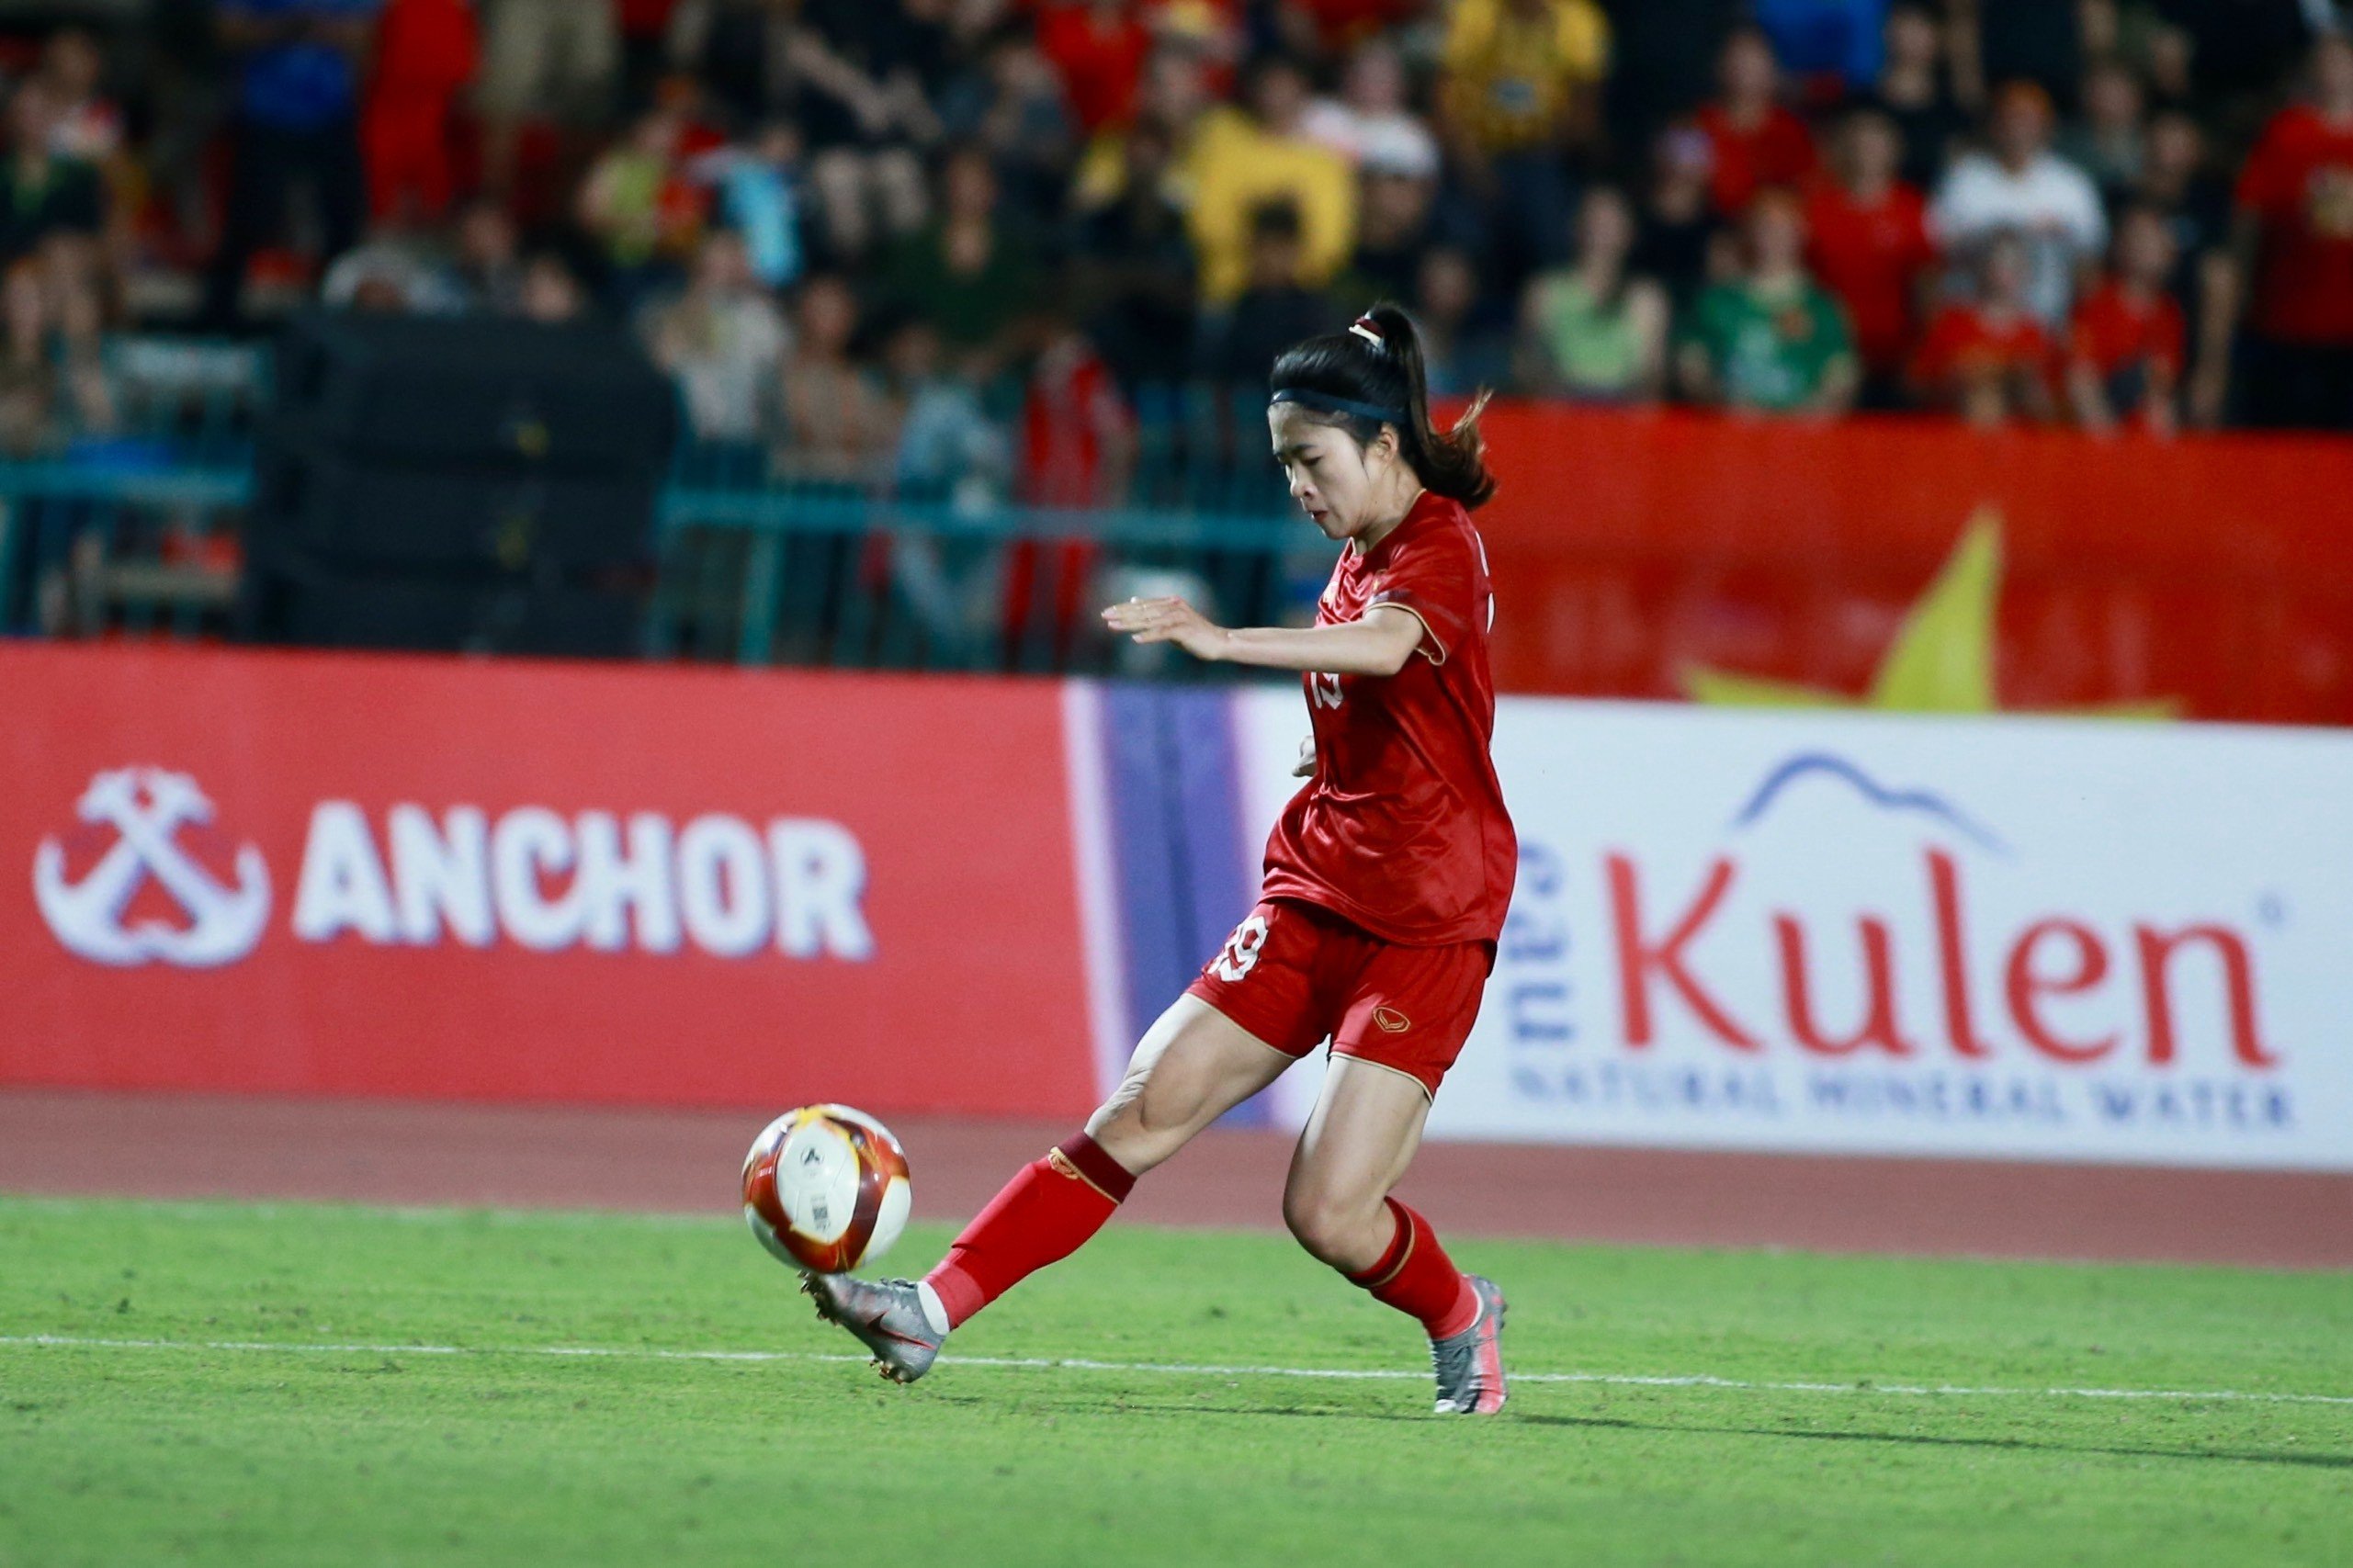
825,1187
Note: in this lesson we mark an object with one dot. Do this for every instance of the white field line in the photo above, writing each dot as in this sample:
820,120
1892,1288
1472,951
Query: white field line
1176,1369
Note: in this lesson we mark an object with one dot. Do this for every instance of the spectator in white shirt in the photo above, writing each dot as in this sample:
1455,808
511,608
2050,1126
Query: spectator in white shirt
722,338
2022,187
1370,123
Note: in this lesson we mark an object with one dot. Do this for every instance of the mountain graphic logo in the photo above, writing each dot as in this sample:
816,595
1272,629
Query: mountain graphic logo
1901,802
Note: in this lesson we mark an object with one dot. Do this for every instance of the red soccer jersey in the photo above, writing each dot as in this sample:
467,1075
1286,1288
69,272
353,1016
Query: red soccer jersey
2112,333
1101,61
1964,344
1872,258
2300,183
1779,150
1402,831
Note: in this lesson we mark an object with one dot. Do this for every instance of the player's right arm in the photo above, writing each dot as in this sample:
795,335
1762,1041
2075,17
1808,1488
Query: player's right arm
1378,645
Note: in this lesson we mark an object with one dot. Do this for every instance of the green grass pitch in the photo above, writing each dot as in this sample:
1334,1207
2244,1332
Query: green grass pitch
124,1440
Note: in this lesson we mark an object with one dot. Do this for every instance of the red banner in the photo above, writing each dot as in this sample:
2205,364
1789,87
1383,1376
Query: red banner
2215,575
362,875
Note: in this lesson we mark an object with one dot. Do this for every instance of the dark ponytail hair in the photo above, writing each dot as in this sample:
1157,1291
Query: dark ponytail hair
1372,374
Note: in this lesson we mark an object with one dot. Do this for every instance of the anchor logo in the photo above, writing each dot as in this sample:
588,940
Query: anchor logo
147,808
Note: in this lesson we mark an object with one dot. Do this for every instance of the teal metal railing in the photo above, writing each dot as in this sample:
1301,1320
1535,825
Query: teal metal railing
776,577
967,565
122,494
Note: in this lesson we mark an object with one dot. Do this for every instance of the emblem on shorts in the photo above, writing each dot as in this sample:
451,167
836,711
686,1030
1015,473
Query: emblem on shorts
1391,1020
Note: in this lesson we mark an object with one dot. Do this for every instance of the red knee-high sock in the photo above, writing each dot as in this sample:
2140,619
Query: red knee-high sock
1416,1277
1044,1214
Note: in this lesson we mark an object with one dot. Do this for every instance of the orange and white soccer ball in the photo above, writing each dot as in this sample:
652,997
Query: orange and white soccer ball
826,1187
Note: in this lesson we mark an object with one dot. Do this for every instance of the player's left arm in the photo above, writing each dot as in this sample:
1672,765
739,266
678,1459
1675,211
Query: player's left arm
1378,644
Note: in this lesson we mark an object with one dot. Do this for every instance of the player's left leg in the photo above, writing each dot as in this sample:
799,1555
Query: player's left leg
1408,1013
1360,1137
1363,1135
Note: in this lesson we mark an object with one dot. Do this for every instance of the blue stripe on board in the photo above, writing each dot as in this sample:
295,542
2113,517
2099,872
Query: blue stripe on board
1172,769
1149,883
1200,725
1209,787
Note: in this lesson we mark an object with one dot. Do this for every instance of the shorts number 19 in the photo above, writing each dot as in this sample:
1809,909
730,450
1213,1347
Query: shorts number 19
1239,955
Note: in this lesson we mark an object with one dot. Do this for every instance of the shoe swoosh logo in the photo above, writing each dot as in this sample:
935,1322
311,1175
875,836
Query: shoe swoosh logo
874,1323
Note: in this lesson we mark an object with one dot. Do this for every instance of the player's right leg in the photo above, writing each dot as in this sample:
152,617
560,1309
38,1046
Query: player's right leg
1193,1066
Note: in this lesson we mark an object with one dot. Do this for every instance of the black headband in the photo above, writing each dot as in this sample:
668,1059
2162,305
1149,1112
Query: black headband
1326,403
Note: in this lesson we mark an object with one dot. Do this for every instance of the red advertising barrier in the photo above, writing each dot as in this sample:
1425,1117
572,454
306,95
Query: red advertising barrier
311,873
2212,575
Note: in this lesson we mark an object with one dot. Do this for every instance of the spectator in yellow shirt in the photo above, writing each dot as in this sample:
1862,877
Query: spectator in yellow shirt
1520,97
1242,161
1174,101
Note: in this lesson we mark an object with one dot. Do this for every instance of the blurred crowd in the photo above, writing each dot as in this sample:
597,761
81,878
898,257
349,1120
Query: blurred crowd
978,246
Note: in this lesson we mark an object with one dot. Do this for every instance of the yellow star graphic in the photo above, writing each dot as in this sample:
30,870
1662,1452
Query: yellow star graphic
1941,661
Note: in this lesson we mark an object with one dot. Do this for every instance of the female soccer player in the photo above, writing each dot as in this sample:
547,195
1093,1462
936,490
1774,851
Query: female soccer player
1386,882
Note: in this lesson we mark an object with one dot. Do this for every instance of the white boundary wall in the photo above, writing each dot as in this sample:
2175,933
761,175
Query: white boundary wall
1833,933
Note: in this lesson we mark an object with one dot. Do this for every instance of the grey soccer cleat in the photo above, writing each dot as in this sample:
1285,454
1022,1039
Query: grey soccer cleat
884,1315
1470,1364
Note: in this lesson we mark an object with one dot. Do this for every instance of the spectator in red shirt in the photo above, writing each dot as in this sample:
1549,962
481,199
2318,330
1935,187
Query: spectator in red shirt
1988,359
2295,236
426,51
2129,341
1076,438
1076,447
1755,140
1871,247
1098,48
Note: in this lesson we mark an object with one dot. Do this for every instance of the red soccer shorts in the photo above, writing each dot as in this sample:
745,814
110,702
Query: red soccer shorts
1293,975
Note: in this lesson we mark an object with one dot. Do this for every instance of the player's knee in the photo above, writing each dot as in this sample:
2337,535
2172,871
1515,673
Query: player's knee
1161,1112
1127,1132
1169,1100
1327,1223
